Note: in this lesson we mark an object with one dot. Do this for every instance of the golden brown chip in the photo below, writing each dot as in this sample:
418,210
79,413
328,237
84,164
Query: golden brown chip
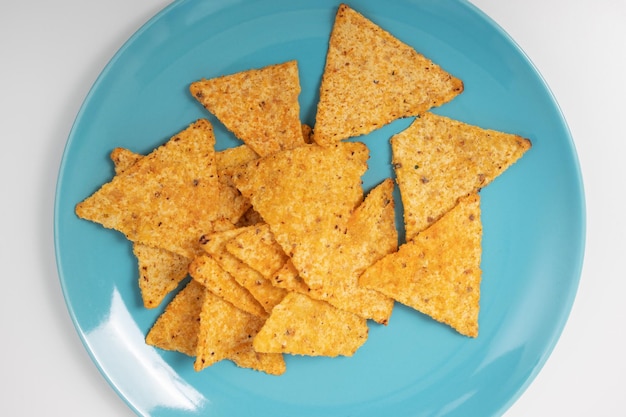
223,328
160,272
123,159
260,106
209,273
261,289
371,78
258,249
438,160
289,278
245,356
371,235
438,272
230,158
300,325
307,195
232,204
168,198
177,328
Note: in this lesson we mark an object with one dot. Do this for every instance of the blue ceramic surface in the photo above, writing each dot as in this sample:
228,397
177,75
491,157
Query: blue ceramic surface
533,216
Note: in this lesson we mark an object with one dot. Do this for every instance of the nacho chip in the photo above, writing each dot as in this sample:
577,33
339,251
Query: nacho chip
230,158
371,78
232,204
123,159
261,289
306,195
245,356
289,278
438,160
177,327
259,106
258,249
438,272
209,273
300,325
160,272
223,328
168,198
371,235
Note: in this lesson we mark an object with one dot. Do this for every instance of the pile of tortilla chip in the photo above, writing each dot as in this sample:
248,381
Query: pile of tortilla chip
286,253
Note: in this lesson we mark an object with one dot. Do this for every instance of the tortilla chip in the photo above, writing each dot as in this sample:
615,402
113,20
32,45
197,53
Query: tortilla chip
258,249
260,106
177,328
306,195
438,272
261,289
160,272
223,328
246,357
289,278
230,158
371,78
300,325
168,198
123,159
438,160
371,235
209,273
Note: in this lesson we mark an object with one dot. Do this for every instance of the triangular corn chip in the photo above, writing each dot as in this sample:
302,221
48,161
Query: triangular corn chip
260,106
168,198
261,289
437,160
371,235
300,325
223,328
123,159
289,278
177,327
160,272
306,195
245,356
209,273
371,78
438,272
258,249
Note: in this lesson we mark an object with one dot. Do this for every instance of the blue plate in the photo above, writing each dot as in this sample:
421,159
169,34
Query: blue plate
533,217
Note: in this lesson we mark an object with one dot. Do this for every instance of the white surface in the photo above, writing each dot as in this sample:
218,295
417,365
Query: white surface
52,51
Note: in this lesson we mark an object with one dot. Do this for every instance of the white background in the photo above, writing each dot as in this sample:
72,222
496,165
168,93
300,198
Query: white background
52,51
